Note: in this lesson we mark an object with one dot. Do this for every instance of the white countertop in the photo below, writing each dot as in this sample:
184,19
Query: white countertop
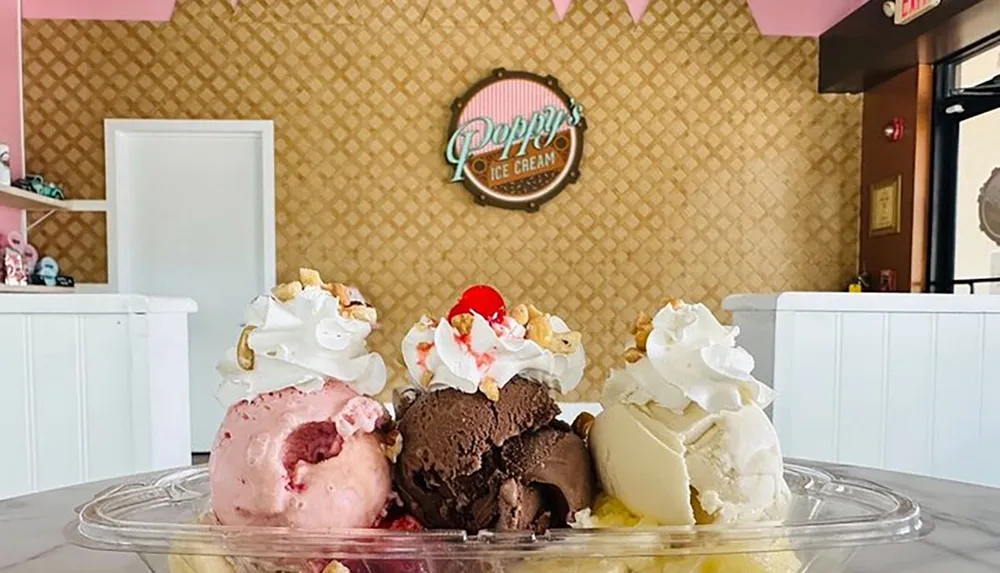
93,304
863,302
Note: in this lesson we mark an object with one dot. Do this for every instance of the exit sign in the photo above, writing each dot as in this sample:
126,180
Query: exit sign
909,10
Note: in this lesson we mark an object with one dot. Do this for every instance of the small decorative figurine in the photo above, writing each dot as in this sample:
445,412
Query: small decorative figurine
48,270
30,257
12,240
11,244
37,184
13,266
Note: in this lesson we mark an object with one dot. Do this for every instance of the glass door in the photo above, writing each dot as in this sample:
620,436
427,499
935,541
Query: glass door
965,196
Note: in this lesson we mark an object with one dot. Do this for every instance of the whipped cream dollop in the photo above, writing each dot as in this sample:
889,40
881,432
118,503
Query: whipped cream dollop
301,342
439,356
689,357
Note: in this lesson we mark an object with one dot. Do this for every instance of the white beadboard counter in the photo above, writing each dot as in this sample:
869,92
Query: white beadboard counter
94,386
904,382
864,302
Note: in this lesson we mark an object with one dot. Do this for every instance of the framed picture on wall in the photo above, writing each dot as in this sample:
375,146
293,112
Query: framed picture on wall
885,207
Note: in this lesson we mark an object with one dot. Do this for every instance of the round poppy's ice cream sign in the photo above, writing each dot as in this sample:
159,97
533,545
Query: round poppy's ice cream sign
989,207
515,140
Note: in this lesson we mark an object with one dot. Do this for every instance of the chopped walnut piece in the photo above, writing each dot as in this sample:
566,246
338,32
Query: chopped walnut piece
426,378
342,293
540,330
520,314
463,323
426,323
582,424
361,312
310,278
565,342
675,303
533,312
633,355
287,291
392,444
490,389
245,354
641,329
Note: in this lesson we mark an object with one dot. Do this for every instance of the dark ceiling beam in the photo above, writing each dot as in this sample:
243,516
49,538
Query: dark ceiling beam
867,48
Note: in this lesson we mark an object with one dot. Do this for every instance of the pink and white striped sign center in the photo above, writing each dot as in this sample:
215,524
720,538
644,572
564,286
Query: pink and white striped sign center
504,101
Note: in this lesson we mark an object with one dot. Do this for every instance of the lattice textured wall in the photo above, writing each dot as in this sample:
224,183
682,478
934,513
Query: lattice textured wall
711,166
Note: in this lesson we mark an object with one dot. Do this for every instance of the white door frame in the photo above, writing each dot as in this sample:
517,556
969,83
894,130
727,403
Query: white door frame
116,132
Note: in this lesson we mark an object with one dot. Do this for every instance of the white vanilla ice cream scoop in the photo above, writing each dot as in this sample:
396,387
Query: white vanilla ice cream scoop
683,437
304,333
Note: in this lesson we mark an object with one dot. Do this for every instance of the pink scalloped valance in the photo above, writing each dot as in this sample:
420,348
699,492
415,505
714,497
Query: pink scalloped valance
635,7
141,10
800,17
774,17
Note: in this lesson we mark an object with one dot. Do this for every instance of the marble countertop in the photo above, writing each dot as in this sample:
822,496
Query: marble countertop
966,538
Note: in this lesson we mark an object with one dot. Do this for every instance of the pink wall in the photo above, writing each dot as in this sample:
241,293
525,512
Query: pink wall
10,98
799,17
150,10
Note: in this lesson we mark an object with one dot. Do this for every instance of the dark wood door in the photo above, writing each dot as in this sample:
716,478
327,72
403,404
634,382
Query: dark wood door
907,99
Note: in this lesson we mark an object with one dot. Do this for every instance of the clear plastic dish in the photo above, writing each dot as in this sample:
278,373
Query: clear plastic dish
162,521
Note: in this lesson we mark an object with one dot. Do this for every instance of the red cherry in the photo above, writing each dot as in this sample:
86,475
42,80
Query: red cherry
484,300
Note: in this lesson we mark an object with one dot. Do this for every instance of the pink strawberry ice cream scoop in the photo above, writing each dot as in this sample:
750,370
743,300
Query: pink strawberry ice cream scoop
307,460
302,444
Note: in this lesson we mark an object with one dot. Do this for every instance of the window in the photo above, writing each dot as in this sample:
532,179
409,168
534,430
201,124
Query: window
965,196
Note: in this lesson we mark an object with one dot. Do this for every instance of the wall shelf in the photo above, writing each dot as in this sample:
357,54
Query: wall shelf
28,201
21,199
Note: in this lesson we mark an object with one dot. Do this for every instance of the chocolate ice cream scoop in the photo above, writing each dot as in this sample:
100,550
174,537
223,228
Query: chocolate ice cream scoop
471,463
545,484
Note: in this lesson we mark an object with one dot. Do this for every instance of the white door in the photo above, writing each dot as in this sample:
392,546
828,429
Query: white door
194,213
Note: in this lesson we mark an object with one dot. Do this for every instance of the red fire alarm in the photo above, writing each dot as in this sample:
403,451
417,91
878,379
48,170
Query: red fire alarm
894,130
887,280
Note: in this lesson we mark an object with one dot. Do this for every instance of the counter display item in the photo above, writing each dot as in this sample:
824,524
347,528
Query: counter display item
13,268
